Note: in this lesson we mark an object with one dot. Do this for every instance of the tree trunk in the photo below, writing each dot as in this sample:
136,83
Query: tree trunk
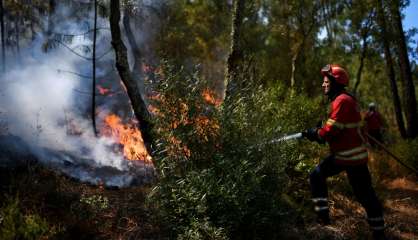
32,29
300,47
132,88
293,70
93,102
17,32
51,10
3,44
390,69
235,54
360,68
406,75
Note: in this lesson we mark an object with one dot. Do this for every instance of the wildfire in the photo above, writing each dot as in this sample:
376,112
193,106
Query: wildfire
128,136
210,97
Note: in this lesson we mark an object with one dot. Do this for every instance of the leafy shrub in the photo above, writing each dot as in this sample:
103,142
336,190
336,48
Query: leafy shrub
90,206
220,177
16,225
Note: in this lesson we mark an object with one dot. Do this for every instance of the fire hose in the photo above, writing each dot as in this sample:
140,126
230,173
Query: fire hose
300,135
284,138
391,154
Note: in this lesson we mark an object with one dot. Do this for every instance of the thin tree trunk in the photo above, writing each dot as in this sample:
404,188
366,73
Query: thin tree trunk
390,70
132,88
32,28
50,26
18,21
406,75
235,54
364,32
360,68
3,44
51,10
93,102
300,47
292,75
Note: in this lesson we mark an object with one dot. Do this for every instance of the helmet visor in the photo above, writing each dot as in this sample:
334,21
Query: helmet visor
327,70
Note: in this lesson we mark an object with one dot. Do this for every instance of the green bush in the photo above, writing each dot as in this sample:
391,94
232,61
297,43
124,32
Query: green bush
219,177
16,225
90,208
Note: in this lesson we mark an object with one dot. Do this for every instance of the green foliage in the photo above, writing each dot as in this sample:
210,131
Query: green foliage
14,224
223,179
202,229
192,34
96,202
407,151
90,207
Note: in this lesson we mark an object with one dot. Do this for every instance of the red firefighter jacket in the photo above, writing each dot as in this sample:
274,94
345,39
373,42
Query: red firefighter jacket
343,131
373,120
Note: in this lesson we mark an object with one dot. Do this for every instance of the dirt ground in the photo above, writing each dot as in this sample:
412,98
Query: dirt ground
398,192
400,201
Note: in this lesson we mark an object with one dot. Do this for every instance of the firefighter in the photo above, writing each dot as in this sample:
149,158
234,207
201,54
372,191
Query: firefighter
342,131
374,123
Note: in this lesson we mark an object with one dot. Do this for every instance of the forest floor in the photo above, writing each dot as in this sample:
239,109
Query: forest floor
396,188
74,210
400,201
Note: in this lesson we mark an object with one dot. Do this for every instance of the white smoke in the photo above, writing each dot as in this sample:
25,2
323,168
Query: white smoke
38,101
48,94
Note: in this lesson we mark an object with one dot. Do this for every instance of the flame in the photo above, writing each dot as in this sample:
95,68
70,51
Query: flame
128,136
103,90
210,97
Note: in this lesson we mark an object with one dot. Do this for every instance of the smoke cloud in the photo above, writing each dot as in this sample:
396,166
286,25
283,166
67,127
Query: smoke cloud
45,101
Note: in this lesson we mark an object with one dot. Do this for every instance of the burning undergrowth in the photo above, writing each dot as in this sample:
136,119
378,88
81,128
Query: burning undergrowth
45,108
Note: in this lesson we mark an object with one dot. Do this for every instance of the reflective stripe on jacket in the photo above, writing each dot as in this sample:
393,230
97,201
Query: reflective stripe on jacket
343,131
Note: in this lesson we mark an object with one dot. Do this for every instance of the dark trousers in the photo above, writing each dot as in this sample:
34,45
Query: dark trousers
360,180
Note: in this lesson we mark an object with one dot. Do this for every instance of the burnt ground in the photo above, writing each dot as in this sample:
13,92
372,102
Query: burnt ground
75,210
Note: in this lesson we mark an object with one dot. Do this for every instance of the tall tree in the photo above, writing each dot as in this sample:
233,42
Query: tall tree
3,44
406,74
364,33
18,22
302,27
390,68
93,100
132,87
51,10
236,52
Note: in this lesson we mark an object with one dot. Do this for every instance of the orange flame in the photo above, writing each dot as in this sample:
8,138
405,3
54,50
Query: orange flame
210,97
128,136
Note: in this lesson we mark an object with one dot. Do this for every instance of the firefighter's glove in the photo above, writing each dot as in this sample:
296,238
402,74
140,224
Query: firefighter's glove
311,134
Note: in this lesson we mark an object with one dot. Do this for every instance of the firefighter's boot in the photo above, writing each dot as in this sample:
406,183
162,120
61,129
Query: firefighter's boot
377,225
323,217
322,210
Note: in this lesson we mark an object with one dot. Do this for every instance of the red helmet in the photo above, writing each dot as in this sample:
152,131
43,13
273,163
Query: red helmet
337,72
